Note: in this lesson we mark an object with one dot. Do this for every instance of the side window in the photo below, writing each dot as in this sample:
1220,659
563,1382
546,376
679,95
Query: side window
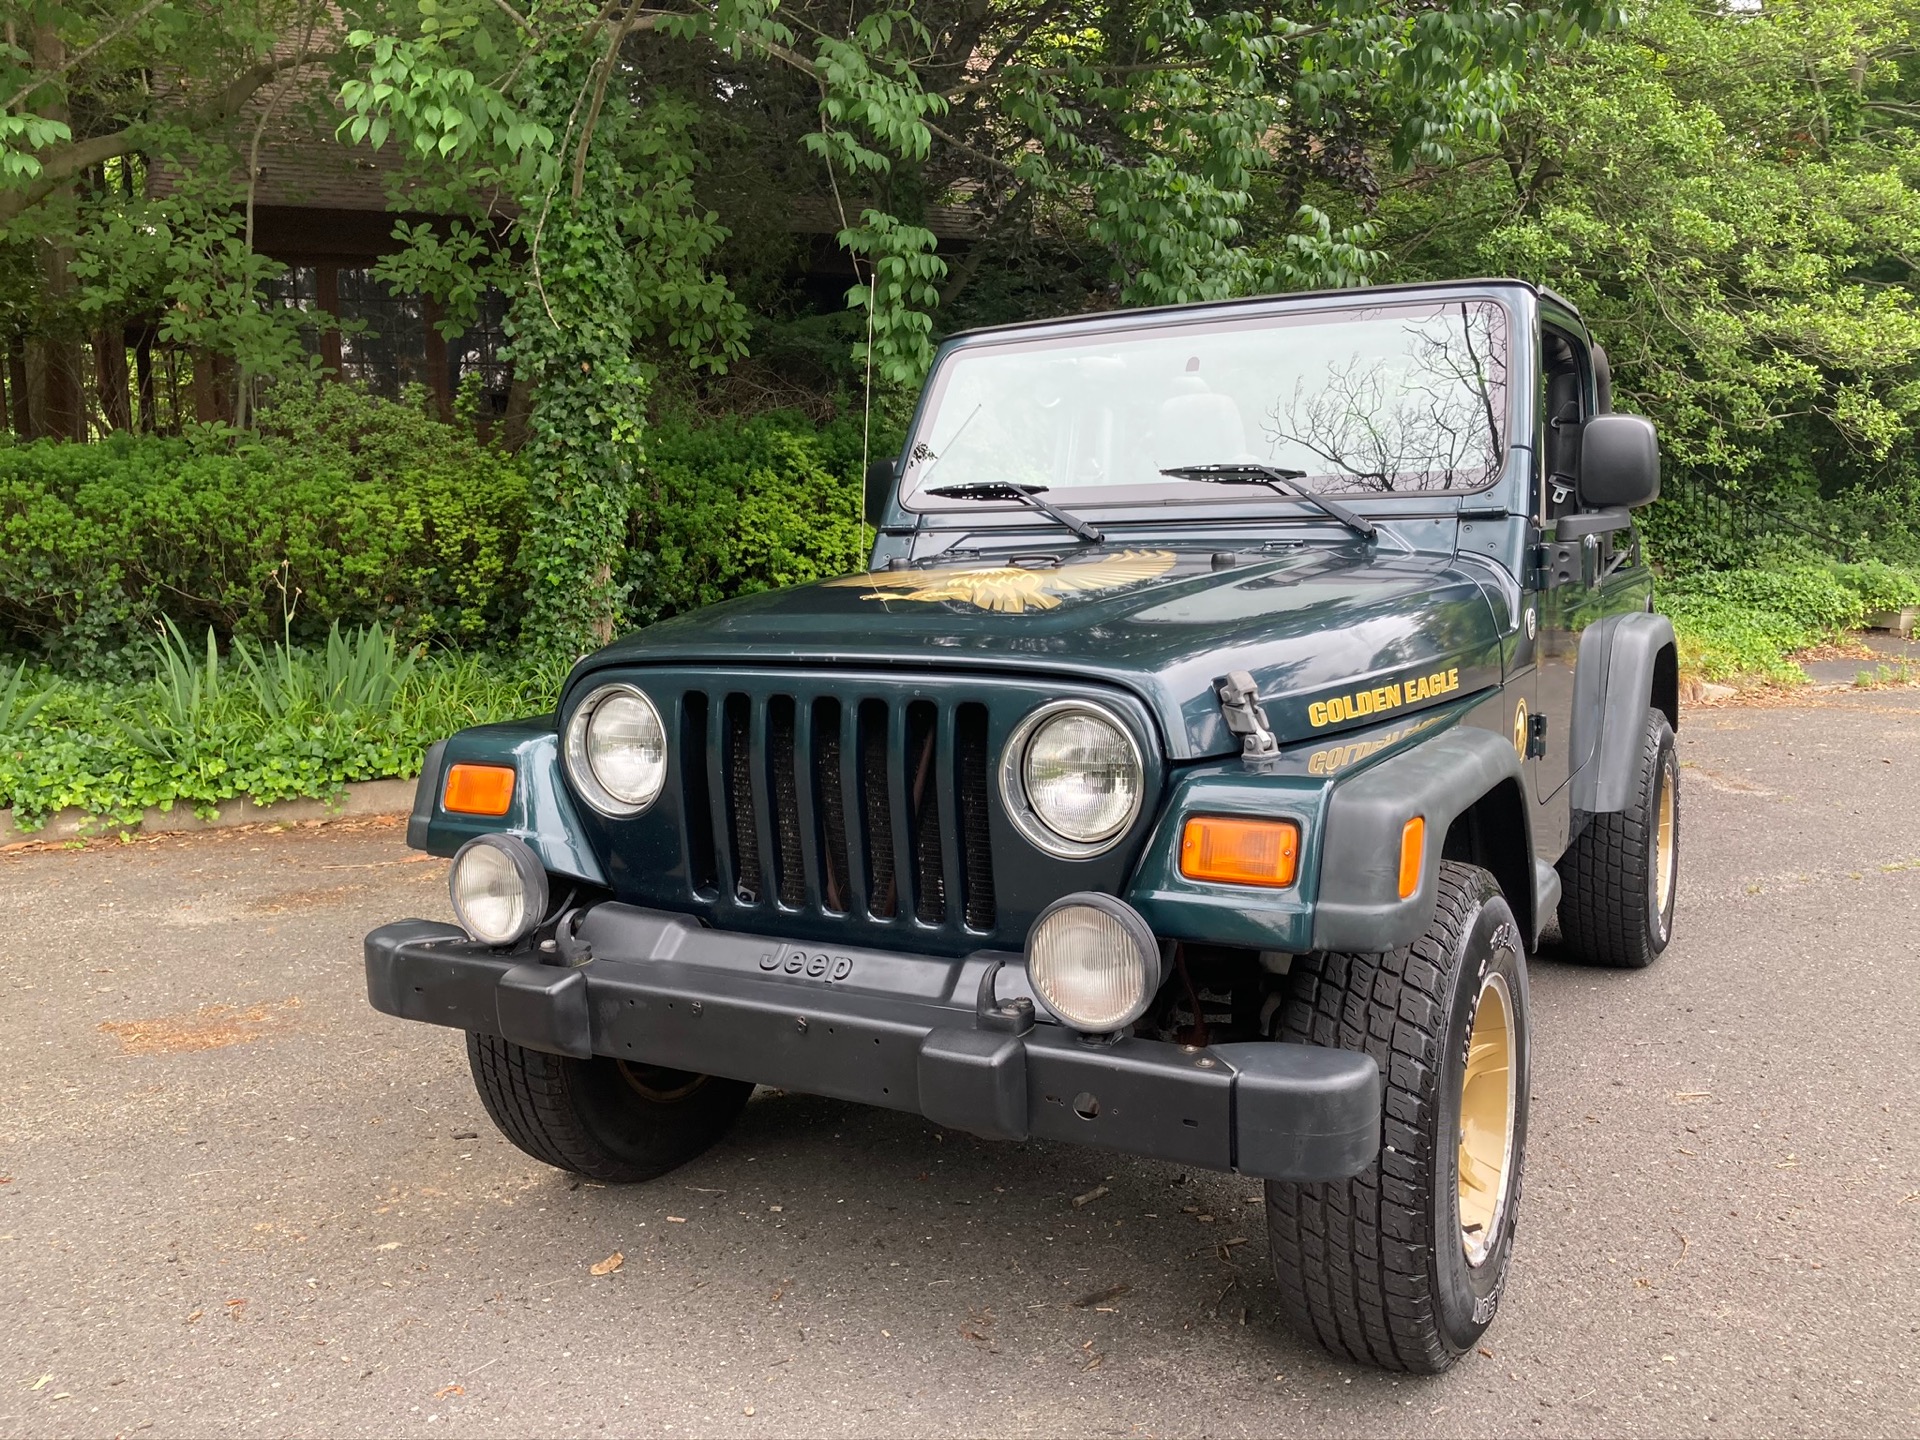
1563,410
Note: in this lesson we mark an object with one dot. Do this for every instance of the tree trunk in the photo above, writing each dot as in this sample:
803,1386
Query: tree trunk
212,387
110,376
143,379
17,384
54,361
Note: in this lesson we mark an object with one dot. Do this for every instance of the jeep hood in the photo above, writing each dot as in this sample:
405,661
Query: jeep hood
1335,635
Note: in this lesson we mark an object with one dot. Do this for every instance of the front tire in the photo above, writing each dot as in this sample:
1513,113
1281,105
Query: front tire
606,1119
1617,880
1404,1265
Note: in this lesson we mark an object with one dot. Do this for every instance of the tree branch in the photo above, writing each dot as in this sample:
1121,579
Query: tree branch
72,61
80,155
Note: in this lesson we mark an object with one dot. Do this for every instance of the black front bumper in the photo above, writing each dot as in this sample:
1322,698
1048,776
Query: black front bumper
887,1029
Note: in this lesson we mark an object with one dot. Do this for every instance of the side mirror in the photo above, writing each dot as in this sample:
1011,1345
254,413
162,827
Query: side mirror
881,475
1619,462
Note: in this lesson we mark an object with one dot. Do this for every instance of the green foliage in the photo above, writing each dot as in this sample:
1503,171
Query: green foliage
1880,586
286,724
1727,193
738,506
19,703
344,509
1748,623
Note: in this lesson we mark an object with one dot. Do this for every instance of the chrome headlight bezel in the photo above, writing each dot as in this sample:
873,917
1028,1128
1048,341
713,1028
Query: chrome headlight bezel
576,749
1014,790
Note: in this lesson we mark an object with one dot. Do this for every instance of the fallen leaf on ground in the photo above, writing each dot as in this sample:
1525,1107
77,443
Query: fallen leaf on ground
193,1317
1088,1198
41,1383
607,1266
448,1390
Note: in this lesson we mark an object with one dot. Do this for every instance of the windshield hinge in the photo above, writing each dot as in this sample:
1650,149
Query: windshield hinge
1240,705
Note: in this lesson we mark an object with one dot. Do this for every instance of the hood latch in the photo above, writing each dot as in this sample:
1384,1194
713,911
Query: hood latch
1245,717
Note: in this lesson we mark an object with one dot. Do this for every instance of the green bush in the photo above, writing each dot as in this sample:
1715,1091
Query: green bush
349,510
1880,586
272,722
730,507
343,509
1749,622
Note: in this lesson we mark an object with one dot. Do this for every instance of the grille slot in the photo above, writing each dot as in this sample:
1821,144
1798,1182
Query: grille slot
883,897
830,803
786,801
976,841
742,833
698,809
923,805
871,812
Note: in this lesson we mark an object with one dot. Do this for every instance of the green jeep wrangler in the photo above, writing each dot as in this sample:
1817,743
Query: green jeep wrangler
1237,694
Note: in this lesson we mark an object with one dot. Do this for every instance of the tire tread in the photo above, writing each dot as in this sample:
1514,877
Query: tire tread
1352,1257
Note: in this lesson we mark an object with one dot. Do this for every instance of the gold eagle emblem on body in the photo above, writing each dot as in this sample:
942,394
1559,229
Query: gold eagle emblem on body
1013,589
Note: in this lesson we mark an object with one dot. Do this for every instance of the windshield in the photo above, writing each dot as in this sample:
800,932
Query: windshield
1376,399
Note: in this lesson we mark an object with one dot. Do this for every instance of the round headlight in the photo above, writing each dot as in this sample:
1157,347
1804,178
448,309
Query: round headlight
499,889
1093,962
617,750
1073,768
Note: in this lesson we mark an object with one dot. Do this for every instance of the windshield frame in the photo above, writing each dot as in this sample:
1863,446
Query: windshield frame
1271,312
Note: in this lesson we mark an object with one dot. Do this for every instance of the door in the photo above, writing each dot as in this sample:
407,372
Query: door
1567,597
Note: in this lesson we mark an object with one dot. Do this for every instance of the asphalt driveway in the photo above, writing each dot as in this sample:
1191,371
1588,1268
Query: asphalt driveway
235,1200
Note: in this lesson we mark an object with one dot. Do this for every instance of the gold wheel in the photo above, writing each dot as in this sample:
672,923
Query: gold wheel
1665,851
657,1083
1486,1121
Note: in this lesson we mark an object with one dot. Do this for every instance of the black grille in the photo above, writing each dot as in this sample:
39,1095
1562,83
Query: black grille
976,844
871,811
742,831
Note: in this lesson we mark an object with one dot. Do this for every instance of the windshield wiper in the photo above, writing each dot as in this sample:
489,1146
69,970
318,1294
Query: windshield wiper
1028,495
1275,478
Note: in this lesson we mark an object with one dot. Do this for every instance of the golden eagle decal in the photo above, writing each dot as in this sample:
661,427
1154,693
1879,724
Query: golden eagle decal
1014,589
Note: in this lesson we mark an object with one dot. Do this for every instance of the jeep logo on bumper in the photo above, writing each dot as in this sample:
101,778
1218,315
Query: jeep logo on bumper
811,963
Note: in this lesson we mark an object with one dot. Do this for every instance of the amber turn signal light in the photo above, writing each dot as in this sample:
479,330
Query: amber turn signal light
478,790
1413,855
1240,852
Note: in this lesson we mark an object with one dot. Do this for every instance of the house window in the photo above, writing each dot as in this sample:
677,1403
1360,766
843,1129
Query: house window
383,341
477,352
298,288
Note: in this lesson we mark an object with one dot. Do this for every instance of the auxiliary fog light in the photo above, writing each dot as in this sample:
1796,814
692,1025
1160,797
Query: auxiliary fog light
499,889
1093,962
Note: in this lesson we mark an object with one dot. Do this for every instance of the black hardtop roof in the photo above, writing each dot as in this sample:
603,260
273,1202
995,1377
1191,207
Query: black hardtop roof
1358,293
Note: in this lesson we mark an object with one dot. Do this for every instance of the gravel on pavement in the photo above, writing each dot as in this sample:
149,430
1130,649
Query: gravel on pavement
235,1200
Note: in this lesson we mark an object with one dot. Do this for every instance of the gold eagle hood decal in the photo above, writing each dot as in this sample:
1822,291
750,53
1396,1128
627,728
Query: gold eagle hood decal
1013,589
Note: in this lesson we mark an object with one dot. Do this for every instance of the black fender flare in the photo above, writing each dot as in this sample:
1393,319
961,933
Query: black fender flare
1359,906
1627,663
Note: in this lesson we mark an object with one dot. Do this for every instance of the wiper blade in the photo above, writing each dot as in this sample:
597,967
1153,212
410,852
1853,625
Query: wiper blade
1028,495
1275,478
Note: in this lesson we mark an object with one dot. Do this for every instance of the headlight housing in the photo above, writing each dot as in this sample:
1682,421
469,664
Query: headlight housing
1072,778
1093,962
616,750
499,889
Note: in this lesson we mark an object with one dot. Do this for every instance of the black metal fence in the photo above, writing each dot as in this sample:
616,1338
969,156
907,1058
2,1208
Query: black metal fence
1701,524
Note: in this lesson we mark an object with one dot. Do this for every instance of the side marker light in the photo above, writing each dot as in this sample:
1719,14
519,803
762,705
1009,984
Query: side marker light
1413,855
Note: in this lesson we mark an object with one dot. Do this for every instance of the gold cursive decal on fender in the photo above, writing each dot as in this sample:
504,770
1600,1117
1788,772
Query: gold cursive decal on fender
1013,589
